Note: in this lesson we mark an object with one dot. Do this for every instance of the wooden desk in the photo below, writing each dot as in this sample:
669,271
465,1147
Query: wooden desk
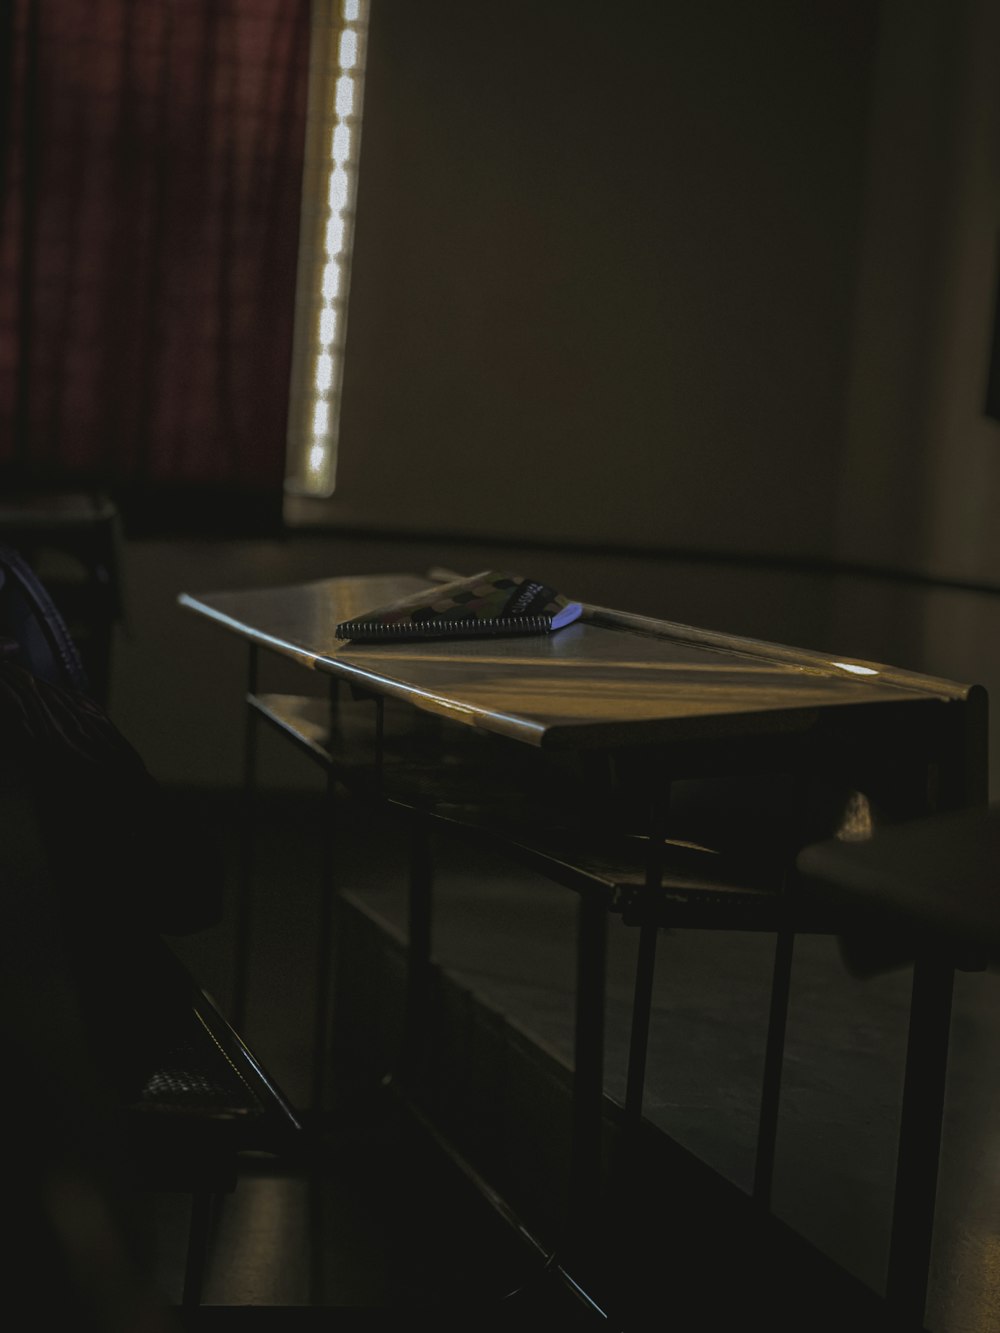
649,702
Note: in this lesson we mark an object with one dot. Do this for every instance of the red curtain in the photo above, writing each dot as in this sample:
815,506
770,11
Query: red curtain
151,168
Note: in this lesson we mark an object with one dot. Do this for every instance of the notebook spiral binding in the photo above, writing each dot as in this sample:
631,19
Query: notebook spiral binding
426,629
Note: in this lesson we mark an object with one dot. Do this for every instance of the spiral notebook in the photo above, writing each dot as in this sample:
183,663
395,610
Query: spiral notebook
483,604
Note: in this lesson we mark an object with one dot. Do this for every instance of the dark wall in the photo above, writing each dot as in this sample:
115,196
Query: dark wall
603,270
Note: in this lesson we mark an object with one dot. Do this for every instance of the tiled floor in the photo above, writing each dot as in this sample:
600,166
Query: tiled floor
384,1225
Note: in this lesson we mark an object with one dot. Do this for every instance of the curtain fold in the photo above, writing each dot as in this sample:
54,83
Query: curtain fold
151,171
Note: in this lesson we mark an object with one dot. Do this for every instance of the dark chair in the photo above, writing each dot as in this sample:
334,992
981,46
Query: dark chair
72,542
182,1086
933,880
205,1100
34,630
924,891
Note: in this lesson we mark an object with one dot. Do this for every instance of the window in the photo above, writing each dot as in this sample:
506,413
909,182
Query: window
333,136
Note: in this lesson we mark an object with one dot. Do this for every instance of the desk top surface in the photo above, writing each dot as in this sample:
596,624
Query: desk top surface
611,678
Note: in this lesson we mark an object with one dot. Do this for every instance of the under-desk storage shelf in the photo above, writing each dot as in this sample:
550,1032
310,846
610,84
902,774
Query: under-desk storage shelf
473,786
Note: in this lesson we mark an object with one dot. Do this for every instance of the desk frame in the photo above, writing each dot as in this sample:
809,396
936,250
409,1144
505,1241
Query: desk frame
954,752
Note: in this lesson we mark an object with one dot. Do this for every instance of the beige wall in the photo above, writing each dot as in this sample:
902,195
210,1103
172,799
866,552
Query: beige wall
709,276
603,271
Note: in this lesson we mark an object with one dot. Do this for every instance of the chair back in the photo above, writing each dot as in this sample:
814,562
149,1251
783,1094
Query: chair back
32,626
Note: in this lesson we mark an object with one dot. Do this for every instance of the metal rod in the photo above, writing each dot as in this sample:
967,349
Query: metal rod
642,996
244,886
420,909
588,1068
642,1003
379,746
774,1055
324,968
921,1117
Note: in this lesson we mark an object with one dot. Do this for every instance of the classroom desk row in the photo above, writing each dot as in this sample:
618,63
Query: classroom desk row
606,756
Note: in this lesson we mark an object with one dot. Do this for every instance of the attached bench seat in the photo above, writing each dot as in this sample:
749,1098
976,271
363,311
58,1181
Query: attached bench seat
937,877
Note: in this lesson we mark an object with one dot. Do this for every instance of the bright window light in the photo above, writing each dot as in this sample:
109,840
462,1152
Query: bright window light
341,145
345,96
338,190
336,232
336,86
321,419
348,49
330,288
324,373
327,327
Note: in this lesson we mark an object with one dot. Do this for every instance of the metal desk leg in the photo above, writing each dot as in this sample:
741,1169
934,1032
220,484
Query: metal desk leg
642,998
380,747
921,1118
767,1126
588,1076
328,893
324,969
420,907
244,888
642,1001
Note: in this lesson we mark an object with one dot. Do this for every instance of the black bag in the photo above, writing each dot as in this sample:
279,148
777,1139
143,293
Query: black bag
124,866
113,831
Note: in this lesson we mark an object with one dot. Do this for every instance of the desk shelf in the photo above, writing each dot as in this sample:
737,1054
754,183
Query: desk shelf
466,789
